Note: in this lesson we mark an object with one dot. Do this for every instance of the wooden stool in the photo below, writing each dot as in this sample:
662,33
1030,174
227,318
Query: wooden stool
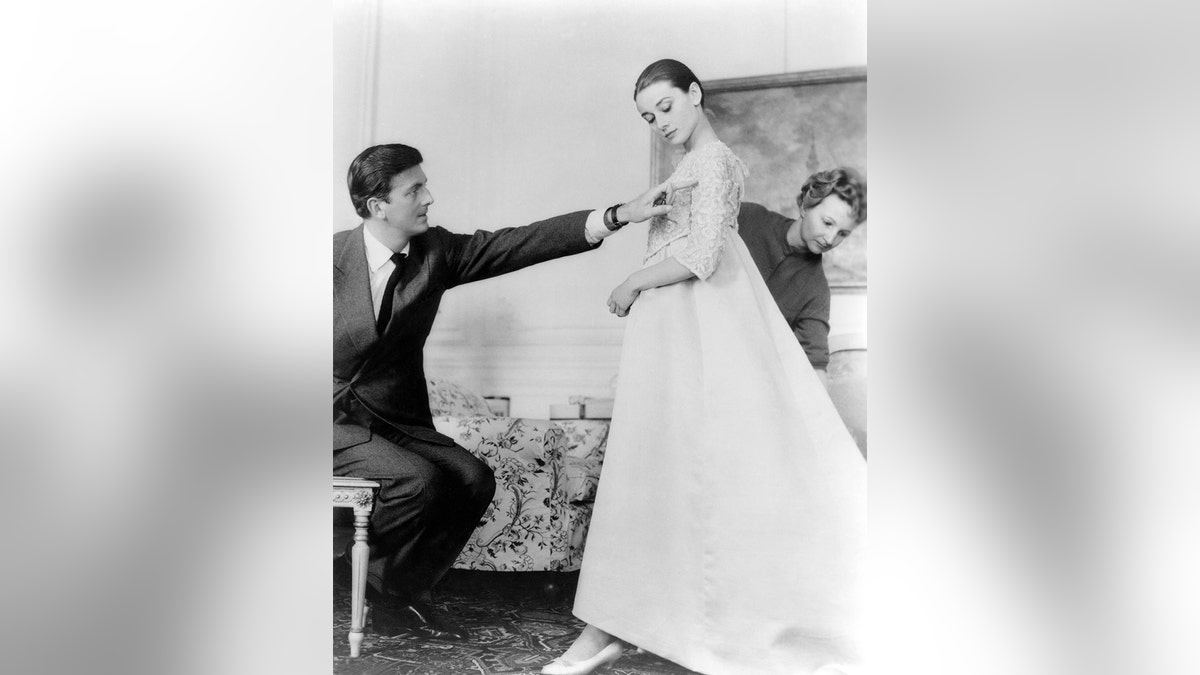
358,494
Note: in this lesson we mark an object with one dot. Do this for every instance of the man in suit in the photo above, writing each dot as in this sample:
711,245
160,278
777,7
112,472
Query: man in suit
788,252
389,275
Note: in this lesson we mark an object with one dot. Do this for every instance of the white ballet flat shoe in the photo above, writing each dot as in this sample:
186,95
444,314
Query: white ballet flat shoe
605,656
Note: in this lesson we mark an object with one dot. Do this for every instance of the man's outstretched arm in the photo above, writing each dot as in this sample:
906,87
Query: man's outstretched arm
487,254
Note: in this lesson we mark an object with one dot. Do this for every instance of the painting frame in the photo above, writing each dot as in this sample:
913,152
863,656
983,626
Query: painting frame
765,120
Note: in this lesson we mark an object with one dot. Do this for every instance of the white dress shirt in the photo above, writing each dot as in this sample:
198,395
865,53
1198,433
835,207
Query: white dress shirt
379,262
595,230
379,257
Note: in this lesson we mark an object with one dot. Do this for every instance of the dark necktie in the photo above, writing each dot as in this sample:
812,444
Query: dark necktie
385,310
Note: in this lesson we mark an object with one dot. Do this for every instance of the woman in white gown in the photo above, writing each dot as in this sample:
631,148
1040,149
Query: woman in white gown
729,520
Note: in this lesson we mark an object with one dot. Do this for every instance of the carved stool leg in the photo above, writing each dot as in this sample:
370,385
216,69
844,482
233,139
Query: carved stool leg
359,554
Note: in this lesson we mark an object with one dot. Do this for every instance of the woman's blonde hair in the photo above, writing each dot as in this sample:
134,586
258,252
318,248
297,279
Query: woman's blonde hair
842,181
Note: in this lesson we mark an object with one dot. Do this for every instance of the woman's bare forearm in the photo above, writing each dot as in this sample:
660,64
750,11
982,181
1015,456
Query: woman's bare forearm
663,273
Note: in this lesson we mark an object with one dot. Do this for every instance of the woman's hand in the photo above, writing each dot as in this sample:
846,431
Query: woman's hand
654,202
622,298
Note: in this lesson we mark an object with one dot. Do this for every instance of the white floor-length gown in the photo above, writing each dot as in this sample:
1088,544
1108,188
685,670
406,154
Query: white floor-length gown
730,517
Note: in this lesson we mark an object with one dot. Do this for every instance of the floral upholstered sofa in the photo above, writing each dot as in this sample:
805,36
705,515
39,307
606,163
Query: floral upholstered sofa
546,478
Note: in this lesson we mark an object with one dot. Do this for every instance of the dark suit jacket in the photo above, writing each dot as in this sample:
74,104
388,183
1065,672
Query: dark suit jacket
381,378
796,280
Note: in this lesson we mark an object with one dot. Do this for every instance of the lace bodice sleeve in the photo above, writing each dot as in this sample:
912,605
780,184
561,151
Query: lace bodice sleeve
701,215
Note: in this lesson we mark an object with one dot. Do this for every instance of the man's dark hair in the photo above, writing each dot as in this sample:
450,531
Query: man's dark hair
372,171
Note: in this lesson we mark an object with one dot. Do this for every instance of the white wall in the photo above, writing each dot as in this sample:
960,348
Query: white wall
523,110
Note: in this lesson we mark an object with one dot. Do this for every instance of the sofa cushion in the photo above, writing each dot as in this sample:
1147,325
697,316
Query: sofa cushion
582,478
529,524
454,400
586,439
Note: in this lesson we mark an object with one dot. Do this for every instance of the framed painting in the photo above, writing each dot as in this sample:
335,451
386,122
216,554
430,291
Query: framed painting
785,128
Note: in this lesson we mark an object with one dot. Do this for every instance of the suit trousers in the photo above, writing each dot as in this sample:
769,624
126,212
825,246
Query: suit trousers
431,499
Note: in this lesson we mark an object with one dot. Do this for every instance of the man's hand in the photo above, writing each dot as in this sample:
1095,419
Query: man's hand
622,298
654,202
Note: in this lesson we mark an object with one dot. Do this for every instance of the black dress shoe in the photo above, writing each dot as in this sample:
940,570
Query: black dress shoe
413,619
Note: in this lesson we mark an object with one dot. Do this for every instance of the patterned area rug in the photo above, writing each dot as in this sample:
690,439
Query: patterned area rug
517,622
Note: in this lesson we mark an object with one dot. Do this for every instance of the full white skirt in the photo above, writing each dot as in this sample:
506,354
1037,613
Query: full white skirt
729,522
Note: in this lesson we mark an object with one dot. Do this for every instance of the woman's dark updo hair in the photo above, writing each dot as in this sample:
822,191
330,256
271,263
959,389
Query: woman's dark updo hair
843,182
670,70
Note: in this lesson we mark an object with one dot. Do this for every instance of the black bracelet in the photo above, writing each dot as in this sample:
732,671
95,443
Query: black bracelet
610,218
